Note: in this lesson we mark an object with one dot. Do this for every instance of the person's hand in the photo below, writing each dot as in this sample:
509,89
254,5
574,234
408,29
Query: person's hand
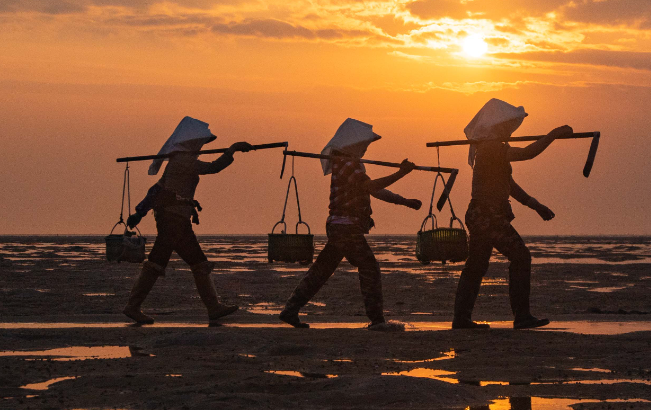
133,220
545,213
564,131
407,166
240,146
413,204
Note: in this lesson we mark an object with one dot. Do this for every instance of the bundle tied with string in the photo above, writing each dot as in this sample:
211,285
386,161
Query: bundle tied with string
128,246
441,244
286,247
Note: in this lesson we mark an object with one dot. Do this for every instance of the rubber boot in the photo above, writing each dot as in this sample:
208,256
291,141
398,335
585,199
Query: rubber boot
207,292
144,283
519,291
289,314
464,302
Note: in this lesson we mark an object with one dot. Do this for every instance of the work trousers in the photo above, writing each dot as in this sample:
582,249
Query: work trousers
344,241
175,234
490,227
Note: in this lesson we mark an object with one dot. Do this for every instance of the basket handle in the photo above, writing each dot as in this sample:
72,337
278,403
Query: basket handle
301,222
118,223
278,223
455,218
435,223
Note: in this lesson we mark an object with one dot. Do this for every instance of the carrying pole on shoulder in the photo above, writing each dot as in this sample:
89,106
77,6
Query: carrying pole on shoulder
207,151
595,135
446,191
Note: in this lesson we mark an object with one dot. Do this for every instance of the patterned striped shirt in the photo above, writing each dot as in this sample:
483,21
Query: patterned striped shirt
349,203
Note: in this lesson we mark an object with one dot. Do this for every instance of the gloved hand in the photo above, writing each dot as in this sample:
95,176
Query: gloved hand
133,220
413,204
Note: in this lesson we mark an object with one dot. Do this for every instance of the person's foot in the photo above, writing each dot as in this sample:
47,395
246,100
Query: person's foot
221,311
469,324
291,318
138,316
529,322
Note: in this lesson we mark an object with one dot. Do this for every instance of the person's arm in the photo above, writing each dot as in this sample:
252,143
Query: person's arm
518,193
145,205
532,150
224,160
372,186
393,198
527,200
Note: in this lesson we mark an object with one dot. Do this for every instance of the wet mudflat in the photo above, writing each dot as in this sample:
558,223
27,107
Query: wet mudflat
64,344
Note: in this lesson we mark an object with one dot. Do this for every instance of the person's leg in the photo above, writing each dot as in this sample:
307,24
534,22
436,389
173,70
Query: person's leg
480,247
152,268
324,266
360,255
509,243
188,248
479,253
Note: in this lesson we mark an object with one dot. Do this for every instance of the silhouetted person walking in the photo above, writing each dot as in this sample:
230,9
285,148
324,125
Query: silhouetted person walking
350,218
172,199
489,214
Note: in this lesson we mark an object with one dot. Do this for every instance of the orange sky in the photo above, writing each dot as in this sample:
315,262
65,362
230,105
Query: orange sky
86,81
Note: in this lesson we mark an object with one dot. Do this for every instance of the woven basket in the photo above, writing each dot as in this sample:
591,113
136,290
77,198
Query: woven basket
442,244
127,247
284,247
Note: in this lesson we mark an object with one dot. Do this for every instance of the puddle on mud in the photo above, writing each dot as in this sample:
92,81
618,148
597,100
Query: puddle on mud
426,373
438,374
173,375
579,327
46,384
610,289
595,369
529,403
302,374
98,294
446,356
251,356
66,354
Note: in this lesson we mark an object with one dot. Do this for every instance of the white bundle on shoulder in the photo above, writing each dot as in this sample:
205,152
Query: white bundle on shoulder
349,138
189,135
496,120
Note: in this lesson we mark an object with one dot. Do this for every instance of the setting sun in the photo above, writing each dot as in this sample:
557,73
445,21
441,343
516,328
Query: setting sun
474,46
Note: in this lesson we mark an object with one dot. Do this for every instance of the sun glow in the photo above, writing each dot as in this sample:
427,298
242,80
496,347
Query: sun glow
474,46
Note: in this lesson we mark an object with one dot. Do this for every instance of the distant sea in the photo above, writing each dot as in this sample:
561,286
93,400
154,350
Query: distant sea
545,249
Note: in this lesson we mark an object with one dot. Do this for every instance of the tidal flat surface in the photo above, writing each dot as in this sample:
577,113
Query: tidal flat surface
64,343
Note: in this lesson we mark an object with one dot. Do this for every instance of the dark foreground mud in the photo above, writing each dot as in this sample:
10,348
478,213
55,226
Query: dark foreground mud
64,344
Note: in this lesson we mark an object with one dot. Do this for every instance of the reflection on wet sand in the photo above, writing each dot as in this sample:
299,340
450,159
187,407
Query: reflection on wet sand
540,403
584,327
46,384
73,353
302,374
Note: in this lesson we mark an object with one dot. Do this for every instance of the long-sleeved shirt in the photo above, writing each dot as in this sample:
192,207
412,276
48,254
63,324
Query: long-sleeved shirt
349,203
181,177
492,177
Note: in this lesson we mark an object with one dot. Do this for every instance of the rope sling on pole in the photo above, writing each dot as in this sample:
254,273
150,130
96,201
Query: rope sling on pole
441,244
595,135
286,247
127,246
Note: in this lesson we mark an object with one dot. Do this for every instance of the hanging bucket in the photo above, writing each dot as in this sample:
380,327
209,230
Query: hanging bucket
442,244
128,247
285,247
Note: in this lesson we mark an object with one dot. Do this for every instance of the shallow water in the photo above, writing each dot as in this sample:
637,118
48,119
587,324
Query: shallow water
583,327
396,249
